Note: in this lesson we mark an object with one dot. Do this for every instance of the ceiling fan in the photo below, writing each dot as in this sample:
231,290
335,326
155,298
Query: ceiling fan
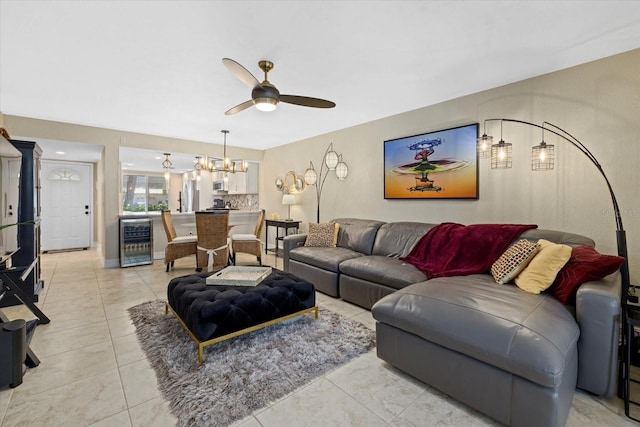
266,96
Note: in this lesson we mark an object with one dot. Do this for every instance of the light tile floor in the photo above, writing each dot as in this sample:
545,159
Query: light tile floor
94,373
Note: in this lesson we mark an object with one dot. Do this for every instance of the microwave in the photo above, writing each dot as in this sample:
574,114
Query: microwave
219,187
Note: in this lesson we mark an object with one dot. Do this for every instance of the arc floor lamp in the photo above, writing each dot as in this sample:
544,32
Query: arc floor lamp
543,159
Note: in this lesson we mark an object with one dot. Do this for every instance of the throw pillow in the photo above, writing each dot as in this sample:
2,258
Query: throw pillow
544,267
513,261
585,265
322,235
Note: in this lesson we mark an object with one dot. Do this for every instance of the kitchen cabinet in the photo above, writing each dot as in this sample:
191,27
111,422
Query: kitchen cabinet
237,183
252,178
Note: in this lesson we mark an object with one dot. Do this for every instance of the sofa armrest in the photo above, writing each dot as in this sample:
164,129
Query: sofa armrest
598,315
288,243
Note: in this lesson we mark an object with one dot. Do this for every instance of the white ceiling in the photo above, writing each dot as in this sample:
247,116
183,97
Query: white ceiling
155,67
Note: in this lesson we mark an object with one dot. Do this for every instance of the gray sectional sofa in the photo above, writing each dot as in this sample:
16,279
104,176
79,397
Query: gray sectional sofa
514,356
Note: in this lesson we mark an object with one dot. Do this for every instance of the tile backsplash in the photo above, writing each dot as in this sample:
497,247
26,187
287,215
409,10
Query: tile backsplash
243,202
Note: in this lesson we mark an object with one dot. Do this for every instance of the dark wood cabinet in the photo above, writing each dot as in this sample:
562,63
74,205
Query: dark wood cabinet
28,256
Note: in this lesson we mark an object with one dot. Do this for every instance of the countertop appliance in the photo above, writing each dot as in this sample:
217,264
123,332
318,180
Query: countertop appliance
218,203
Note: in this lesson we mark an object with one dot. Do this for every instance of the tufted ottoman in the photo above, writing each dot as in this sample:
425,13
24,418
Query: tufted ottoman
212,314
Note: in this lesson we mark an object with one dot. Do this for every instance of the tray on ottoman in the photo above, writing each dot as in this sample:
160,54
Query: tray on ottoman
211,314
239,276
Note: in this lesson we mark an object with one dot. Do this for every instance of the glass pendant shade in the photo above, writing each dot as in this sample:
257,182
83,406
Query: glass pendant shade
342,170
542,157
167,164
483,146
197,164
501,155
310,175
331,159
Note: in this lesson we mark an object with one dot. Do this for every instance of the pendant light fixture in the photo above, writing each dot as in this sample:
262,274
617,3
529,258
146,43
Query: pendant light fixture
484,143
501,156
197,169
227,164
166,164
542,155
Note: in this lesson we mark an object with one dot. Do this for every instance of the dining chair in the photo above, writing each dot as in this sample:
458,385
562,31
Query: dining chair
177,246
249,243
213,245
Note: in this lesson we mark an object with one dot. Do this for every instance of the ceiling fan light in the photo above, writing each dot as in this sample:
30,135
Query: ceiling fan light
265,104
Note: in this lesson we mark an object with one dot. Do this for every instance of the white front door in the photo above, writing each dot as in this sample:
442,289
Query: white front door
67,205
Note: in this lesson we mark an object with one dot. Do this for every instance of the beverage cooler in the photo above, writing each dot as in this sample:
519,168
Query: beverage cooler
136,241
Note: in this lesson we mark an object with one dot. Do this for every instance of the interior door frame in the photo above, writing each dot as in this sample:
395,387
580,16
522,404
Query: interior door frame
92,207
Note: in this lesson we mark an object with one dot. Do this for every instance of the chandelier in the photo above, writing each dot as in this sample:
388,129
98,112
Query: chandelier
213,164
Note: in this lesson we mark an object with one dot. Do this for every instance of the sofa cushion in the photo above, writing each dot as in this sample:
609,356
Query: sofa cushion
585,265
357,234
396,239
322,235
528,335
513,261
324,258
544,267
382,270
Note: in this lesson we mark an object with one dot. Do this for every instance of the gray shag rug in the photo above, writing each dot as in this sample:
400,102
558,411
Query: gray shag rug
247,373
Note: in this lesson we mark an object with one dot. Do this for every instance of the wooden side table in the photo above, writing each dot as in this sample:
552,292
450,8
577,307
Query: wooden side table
278,224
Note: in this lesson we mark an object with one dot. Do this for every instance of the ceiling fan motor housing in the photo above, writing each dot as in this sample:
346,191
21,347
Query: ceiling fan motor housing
265,91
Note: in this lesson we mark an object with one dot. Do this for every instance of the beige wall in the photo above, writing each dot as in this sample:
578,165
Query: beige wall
599,103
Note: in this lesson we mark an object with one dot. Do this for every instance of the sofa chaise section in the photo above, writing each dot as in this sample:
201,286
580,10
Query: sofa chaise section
515,353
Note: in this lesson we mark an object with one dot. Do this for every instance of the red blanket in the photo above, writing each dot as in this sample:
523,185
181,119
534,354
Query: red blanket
450,249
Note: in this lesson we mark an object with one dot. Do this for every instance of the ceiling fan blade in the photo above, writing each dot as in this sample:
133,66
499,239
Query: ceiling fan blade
306,101
239,108
241,73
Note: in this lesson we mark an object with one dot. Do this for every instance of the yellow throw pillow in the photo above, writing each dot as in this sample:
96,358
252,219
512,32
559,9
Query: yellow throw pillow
544,267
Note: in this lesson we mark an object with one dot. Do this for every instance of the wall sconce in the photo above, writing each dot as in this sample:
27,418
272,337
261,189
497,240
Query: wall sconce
334,162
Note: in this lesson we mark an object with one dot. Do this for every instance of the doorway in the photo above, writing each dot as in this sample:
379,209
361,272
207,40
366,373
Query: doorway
67,205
